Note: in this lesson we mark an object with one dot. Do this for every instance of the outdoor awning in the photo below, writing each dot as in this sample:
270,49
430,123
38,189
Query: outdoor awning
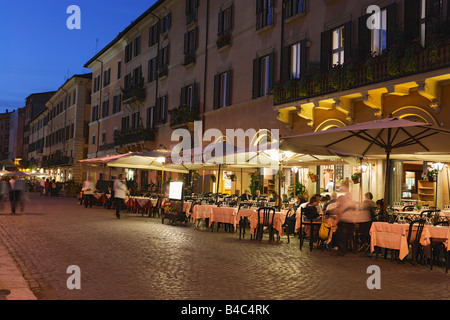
147,161
105,160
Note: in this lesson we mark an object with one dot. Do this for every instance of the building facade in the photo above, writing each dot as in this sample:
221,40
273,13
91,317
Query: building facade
294,66
4,138
59,134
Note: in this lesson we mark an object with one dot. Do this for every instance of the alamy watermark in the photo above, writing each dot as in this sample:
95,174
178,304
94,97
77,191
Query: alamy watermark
190,150
74,281
374,21
74,20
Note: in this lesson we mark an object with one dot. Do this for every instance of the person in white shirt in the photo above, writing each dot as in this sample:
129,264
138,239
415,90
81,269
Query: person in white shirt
120,193
42,184
88,190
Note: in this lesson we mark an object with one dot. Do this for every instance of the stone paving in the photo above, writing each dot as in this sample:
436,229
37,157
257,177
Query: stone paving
139,258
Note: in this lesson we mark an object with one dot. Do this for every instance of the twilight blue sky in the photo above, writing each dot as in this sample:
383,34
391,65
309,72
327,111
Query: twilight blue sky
37,50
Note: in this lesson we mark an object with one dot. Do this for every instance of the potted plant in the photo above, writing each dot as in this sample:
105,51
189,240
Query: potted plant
312,176
356,177
232,177
431,174
195,175
213,177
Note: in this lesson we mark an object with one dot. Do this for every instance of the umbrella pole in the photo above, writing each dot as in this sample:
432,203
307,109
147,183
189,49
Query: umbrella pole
386,183
218,183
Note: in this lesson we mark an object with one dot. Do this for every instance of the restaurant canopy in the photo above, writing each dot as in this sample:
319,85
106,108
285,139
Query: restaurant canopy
105,160
386,137
154,160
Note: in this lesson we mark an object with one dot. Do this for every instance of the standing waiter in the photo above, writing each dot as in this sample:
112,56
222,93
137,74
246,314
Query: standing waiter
120,193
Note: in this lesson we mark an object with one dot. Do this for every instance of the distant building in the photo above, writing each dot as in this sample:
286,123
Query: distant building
4,138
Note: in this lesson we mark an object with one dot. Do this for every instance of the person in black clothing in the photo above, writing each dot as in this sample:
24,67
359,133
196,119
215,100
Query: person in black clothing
246,196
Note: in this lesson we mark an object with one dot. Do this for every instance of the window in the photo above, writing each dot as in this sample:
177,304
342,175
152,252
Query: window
117,103
379,36
163,61
190,97
152,70
93,139
150,117
165,24
135,120
103,136
128,52
105,108
95,113
119,70
96,84
190,45
337,46
137,76
293,7
137,46
222,90
125,123
225,22
154,35
296,63
191,11
160,111
264,13
107,77
262,75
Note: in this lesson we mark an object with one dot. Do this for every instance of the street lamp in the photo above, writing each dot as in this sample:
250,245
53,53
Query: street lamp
437,166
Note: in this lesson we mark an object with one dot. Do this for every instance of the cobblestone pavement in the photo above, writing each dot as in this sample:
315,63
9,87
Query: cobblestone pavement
139,258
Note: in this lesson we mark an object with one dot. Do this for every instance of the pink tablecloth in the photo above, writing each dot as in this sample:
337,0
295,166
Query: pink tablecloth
394,236
278,221
202,211
224,215
439,233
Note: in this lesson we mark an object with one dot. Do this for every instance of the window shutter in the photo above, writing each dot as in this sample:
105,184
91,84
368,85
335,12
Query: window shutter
195,41
229,83
220,26
256,77
303,58
186,43
196,93
391,24
183,96
412,19
188,6
364,37
325,50
216,91
271,70
347,41
285,73
230,19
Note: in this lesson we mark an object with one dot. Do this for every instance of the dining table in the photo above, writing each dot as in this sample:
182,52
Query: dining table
202,211
395,236
252,215
226,215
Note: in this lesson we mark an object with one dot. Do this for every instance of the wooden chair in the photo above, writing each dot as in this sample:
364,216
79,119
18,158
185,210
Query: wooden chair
302,234
243,222
438,247
266,216
414,242
289,223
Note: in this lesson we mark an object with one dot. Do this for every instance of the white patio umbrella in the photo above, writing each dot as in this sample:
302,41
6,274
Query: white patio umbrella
386,137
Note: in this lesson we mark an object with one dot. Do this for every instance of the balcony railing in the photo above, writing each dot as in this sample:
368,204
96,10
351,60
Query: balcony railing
183,115
122,138
134,92
396,63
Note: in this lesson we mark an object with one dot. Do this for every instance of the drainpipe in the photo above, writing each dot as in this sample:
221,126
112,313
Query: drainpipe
65,123
157,67
99,106
206,67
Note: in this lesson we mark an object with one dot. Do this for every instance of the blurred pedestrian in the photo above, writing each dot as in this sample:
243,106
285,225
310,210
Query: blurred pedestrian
16,187
47,187
120,193
4,190
88,190
42,184
53,188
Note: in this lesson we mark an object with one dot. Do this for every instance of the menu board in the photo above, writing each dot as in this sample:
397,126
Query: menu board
176,191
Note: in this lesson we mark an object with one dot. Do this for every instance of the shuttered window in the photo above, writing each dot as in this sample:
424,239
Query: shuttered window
263,74
222,90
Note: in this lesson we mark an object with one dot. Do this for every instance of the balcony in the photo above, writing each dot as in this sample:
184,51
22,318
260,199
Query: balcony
183,116
398,62
132,136
135,92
